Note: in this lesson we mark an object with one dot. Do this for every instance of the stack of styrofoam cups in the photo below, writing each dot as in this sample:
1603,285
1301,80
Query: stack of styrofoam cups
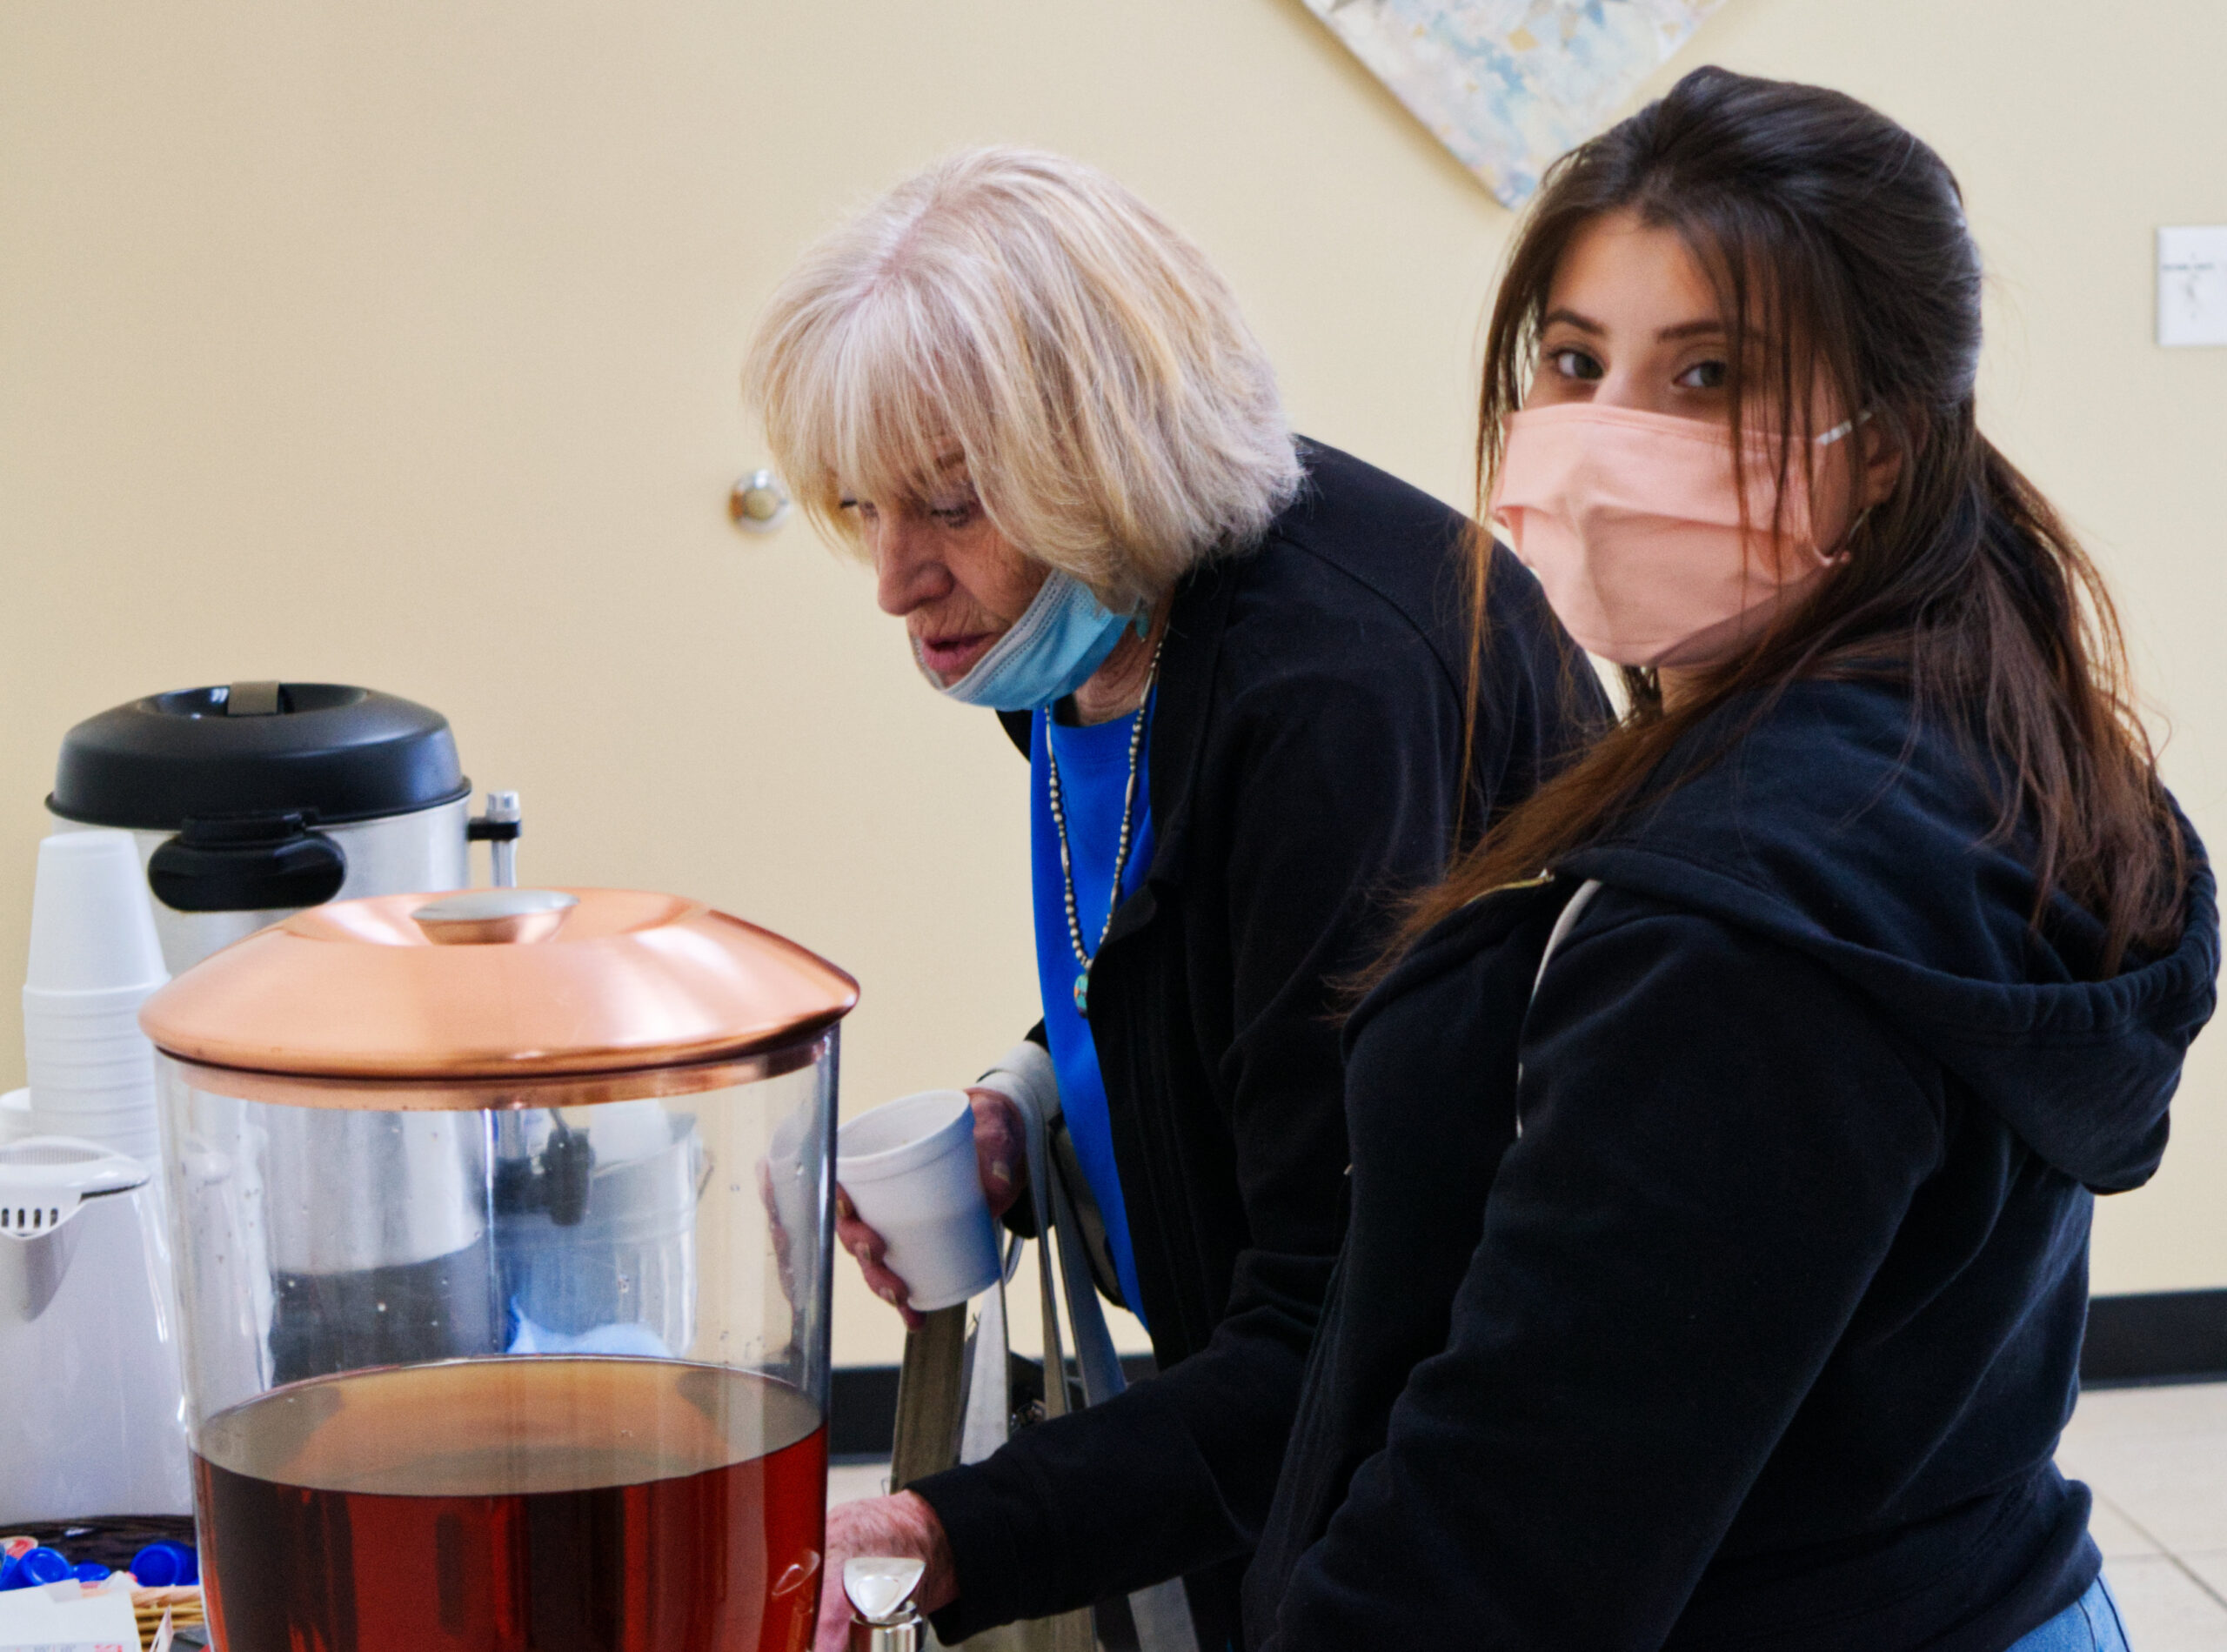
94,959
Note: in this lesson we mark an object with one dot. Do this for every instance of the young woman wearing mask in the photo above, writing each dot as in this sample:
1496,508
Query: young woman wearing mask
1725,1129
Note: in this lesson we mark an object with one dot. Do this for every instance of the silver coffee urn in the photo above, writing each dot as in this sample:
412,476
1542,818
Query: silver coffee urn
250,801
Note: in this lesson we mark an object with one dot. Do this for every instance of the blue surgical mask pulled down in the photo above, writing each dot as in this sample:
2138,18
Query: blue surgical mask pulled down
1052,651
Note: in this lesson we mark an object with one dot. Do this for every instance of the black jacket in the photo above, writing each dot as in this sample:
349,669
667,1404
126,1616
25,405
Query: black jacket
1306,758
1761,1329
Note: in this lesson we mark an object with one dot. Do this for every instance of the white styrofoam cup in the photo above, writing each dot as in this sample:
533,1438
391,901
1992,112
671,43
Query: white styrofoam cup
86,1040
92,927
92,1059
87,1102
131,1130
16,1116
94,958
909,1168
97,1006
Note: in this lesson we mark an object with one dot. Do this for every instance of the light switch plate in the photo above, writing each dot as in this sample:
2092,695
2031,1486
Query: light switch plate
2192,284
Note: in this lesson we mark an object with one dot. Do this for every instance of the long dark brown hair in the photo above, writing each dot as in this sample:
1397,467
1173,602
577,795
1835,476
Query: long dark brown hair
1843,263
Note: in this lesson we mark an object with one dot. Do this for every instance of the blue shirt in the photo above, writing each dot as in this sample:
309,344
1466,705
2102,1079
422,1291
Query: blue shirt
1093,777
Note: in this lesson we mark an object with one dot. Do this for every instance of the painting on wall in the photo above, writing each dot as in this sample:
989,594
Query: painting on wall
1509,84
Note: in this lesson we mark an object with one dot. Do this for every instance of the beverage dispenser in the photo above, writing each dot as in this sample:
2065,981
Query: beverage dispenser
598,1418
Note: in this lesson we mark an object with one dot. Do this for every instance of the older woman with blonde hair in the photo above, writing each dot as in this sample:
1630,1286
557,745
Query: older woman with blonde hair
1240,665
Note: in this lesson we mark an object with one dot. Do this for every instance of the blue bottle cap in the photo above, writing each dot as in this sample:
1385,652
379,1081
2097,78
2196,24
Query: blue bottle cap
91,1572
166,1564
34,1567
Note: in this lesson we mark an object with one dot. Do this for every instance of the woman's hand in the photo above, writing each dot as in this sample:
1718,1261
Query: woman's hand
903,1527
1000,1158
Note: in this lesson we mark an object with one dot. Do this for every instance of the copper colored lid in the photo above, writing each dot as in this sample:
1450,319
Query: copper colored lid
522,985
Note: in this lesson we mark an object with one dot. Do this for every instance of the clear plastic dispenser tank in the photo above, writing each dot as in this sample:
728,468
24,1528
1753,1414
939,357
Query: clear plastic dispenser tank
558,1376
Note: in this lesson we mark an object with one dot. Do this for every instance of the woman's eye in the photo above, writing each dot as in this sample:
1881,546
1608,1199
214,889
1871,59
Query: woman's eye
954,516
1574,363
1703,375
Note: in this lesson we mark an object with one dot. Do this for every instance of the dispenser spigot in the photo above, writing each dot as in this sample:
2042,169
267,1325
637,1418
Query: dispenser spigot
880,1590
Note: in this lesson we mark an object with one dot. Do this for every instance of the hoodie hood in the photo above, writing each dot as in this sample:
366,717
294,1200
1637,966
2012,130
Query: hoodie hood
1832,826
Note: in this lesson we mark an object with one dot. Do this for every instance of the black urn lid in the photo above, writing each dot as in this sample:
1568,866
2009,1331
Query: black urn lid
325,751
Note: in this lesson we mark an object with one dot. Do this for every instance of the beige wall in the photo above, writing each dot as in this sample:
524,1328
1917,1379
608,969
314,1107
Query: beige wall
398,346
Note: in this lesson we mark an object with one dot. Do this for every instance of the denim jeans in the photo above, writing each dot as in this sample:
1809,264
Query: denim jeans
2090,1625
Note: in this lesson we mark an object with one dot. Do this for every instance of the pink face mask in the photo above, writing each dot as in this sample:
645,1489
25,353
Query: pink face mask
1631,521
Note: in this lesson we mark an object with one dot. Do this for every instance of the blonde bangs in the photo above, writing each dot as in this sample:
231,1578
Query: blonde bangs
1030,318
849,404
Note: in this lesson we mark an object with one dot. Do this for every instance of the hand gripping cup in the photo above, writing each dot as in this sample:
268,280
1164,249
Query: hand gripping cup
909,1168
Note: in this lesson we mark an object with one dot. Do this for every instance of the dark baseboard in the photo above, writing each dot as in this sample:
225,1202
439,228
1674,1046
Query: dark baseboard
863,1408
2155,1336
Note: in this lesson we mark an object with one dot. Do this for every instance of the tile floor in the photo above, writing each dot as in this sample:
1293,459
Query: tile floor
2156,1459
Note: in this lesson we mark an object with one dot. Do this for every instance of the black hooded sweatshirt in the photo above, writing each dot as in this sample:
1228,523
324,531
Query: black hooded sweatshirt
1760,1329
1307,762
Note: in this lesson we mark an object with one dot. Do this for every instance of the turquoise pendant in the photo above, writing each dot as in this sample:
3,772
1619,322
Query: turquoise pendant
1082,994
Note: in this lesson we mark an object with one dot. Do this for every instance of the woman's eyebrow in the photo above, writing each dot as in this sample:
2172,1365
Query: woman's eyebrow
1700,327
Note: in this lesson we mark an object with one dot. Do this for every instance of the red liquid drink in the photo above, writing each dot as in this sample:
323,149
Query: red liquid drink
541,1504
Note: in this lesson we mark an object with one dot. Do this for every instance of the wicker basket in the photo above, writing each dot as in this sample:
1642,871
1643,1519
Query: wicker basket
183,1603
